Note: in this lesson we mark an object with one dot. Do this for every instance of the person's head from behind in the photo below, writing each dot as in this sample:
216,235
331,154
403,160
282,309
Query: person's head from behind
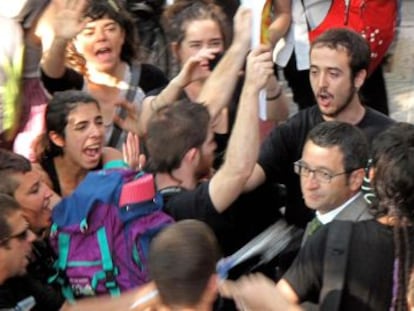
339,60
110,37
195,25
332,165
181,134
74,129
18,180
182,261
392,173
15,239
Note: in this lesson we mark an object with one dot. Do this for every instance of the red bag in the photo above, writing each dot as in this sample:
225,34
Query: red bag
374,19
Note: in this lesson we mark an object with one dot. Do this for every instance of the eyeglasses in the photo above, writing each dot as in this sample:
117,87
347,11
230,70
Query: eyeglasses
320,175
21,236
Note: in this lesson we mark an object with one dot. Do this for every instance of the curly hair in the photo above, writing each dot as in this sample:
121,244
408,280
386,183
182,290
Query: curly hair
393,163
116,11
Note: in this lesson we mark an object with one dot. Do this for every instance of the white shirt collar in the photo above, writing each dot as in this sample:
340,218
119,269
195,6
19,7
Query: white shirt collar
329,216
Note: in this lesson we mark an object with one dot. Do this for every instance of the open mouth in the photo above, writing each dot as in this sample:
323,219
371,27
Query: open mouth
93,152
103,53
325,98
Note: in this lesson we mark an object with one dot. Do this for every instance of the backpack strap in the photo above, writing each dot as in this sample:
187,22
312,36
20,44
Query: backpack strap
168,192
132,90
136,257
335,264
61,265
109,272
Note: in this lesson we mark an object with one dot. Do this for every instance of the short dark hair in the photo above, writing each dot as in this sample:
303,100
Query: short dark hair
56,119
355,45
182,259
8,206
173,131
10,164
351,141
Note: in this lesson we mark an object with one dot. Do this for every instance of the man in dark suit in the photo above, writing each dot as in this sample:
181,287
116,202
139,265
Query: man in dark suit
331,174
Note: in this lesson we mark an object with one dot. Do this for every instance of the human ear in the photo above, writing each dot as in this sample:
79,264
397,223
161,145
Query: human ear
360,78
57,139
192,155
356,179
212,288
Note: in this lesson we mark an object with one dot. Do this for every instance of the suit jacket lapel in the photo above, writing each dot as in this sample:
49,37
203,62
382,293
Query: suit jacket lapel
355,211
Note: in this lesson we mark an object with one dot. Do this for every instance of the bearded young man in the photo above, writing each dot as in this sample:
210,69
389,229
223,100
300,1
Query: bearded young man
181,150
339,63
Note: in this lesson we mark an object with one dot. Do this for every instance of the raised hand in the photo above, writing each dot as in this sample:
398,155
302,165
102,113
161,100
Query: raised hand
259,67
69,20
242,24
189,72
131,152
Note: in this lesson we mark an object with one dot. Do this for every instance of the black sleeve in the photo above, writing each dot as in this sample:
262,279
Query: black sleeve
19,288
193,204
47,298
305,274
7,297
153,80
197,204
277,152
284,144
70,80
373,123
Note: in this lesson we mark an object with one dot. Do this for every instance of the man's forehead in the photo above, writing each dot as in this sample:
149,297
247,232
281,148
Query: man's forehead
332,152
323,54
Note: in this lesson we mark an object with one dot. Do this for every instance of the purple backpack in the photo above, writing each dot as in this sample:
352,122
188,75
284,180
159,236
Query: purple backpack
102,231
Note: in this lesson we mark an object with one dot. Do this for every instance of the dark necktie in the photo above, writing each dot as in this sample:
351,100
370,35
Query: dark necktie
313,226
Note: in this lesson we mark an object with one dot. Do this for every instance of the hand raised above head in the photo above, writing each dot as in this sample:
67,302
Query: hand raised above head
259,67
242,24
69,20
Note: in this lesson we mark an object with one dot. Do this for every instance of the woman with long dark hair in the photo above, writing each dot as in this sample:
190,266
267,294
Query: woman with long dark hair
95,48
73,143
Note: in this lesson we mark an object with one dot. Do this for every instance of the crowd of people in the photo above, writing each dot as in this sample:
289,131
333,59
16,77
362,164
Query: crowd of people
78,98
